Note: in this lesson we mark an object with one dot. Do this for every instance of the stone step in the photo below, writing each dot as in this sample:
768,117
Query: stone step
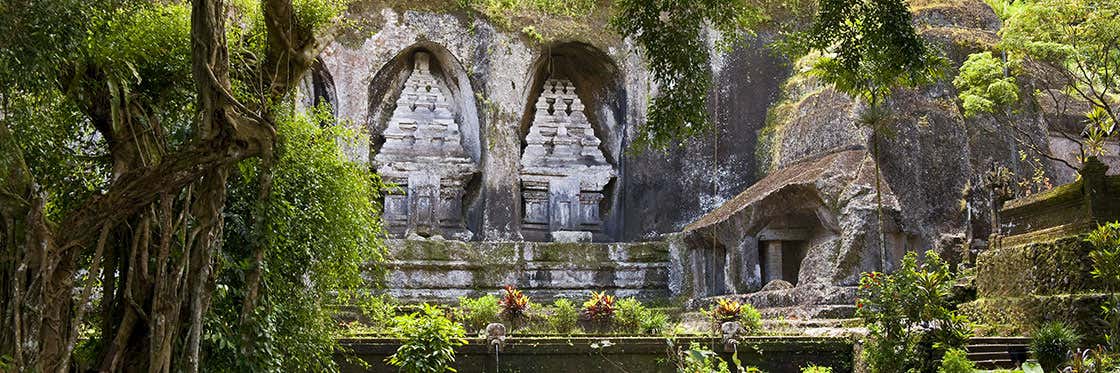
998,352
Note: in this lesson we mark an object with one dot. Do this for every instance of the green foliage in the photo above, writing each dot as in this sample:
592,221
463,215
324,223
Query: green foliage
320,230
816,369
60,147
634,318
564,316
909,317
477,313
380,310
671,35
699,359
983,86
1106,254
730,310
1052,343
1073,46
428,342
1106,267
867,48
956,361
1031,367
1094,360
503,9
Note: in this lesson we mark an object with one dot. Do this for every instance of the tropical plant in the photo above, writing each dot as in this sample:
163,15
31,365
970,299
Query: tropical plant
1070,49
699,359
956,361
564,316
726,310
513,303
600,307
1106,267
380,310
428,341
476,313
1053,343
1093,360
633,317
816,369
909,318
321,229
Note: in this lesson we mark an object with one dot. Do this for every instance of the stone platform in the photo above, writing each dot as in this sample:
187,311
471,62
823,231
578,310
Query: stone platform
440,271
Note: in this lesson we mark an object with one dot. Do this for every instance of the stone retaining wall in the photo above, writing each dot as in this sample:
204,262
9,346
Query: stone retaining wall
624,354
442,271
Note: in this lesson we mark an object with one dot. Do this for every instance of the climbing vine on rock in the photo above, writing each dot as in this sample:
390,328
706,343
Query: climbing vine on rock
673,37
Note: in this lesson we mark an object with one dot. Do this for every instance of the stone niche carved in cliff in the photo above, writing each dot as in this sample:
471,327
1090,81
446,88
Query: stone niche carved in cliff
563,170
424,155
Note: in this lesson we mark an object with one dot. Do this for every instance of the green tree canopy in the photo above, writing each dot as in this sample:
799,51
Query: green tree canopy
672,36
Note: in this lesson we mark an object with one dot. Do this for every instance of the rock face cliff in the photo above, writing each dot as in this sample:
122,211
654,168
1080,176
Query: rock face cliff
494,77
818,227
783,187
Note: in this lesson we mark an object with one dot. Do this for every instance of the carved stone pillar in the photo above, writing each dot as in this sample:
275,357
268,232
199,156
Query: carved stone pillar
773,263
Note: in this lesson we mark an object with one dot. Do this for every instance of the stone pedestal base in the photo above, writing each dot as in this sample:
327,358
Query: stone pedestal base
571,236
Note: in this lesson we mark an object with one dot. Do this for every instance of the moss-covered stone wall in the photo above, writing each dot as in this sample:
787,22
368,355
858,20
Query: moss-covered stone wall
442,271
623,354
1058,266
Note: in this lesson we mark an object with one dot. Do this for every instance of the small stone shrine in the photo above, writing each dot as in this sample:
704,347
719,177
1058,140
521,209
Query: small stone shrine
424,155
563,171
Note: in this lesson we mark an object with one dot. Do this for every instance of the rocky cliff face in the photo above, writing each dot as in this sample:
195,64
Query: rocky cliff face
495,76
772,118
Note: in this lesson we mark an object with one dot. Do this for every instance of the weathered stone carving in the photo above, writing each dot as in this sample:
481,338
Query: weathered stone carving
563,171
424,155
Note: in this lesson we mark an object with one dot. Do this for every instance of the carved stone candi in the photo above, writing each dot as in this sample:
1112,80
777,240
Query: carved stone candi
563,171
424,155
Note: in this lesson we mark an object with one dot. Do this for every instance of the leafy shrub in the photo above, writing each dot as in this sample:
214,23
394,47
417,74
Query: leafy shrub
956,361
698,359
1106,254
514,303
428,341
1106,267
380,310
909,318
750,319
564,316
633,317
816,369
475,314
1052,343
729,310
600,307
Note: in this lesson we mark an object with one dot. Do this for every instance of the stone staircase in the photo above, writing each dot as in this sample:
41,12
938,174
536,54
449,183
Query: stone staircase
998,352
